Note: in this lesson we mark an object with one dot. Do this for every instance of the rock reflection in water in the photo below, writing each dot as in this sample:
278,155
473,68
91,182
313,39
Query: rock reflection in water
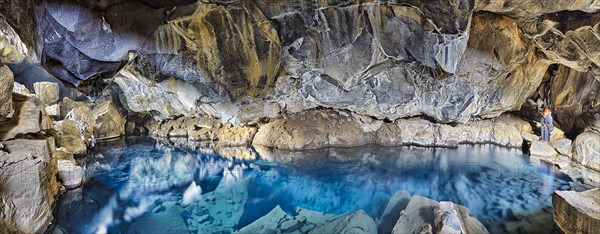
139,187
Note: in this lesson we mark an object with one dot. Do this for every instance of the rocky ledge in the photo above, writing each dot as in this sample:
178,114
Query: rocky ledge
577,212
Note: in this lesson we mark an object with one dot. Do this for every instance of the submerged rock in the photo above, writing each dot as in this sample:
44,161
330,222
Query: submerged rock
586,149
167,221
29,187
577,212
109,121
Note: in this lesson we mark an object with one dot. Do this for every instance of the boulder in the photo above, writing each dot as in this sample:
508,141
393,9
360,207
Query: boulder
563,146
541,149
529,137
28,118
82,115
6,87
577,212
418,217
21,89
29,187
109,121
47,92
53,111
269,223
355,222
67,104
69,173
453,218
586,149
69,136
396,204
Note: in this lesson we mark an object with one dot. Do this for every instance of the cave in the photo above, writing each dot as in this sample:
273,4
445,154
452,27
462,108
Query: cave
289,116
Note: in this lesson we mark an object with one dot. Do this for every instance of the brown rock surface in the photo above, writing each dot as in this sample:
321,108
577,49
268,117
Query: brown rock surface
577,212
109,121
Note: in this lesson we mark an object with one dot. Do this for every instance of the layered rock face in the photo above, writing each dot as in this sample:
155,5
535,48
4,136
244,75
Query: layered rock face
29,186
577,212
243,61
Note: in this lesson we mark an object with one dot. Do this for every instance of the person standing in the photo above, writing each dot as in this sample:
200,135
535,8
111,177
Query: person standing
546,124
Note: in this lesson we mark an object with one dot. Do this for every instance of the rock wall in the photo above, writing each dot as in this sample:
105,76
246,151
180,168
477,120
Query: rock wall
242,61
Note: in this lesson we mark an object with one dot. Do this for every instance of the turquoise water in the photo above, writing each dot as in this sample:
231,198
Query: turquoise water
151,186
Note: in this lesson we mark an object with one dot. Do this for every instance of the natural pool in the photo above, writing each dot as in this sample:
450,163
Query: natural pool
149,186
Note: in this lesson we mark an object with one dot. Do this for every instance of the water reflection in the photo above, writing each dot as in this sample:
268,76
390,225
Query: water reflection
150,185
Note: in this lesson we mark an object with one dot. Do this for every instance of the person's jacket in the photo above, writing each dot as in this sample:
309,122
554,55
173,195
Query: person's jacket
546,121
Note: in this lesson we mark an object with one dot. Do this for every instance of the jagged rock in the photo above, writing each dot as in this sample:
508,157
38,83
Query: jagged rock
70,137
21,89
542,149
395,205
532,8
453,218
574,94
53,111
6,87
29,118
322,128
563,146
576,212
10,38
168,221
109,121
47,92
86,122
69,173
271,222
355,222
29,187
235,136
418,217
66,105
64,154
8,53
586,149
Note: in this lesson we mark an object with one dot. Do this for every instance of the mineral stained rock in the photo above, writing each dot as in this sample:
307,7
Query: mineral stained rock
6,87
241,61
577,212
109,121
29,118
69,136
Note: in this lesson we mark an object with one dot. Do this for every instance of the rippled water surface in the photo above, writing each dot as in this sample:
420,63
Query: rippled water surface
150,186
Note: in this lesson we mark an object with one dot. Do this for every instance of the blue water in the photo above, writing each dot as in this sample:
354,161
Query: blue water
138,186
